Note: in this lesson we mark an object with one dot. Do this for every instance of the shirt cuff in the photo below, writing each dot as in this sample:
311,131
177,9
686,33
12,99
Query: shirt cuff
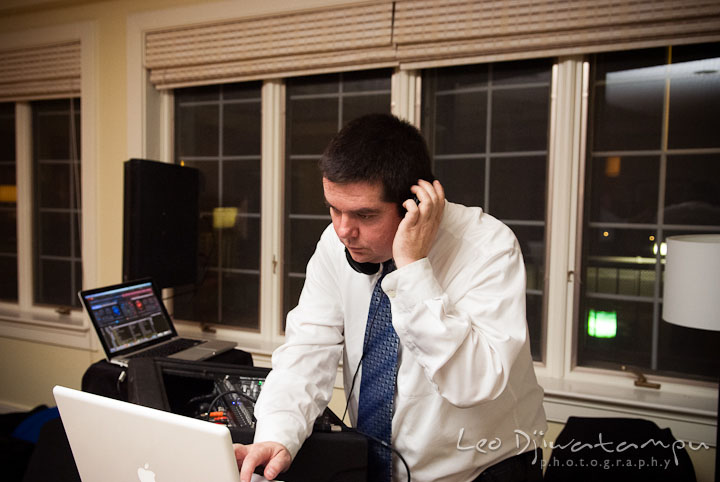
283,429
411,285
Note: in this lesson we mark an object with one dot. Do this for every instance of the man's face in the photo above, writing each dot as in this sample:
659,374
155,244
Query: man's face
365,223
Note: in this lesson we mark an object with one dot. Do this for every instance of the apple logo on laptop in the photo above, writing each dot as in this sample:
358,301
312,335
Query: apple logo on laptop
145,474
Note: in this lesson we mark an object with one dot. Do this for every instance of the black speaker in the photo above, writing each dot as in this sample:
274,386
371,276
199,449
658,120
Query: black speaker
160,222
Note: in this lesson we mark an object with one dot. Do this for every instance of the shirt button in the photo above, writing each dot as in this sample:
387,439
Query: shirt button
391,293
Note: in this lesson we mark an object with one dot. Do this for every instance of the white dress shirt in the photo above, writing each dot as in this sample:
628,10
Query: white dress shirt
466,395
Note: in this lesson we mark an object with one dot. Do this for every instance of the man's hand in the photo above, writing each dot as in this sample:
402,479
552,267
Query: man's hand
417,230
272,455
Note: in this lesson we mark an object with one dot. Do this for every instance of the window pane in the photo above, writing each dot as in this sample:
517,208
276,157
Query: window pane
246,139
527,72
241,185
692,195
218,131
306,188
199,303
7,132
357,106
459,123
457,174
54,285
613,331
305,234
314,85
520,119
9,282
315,120
241,300
52,127
54,179
465,77
241,244
514,196
317,107
647,105
8,233
627,113
55,234
695,96
487,129
57,267
621,262
197,130
8,205
624,188
209,183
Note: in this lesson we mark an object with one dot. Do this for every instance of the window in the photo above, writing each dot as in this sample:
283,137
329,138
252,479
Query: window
8,205
317,107
653,171
487,130
217,130
49,210
57,202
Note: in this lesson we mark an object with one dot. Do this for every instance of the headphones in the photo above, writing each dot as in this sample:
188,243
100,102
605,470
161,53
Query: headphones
364,268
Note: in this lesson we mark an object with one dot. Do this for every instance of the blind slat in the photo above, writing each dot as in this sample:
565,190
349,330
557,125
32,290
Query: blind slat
40,72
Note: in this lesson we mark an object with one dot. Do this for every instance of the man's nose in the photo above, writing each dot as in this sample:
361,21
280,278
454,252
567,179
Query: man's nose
346,228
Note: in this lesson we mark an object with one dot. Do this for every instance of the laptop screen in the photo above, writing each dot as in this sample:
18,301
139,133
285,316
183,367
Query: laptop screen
128,316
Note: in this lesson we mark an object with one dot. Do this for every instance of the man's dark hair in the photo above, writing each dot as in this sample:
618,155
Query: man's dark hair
378,147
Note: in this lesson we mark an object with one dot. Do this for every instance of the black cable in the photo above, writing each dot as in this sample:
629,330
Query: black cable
228,392
362,357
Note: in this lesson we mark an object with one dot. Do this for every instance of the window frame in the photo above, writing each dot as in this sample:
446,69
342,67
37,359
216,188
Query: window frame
688,408
23,319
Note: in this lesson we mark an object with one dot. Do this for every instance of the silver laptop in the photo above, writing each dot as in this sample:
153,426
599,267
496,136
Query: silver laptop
131,321
116,441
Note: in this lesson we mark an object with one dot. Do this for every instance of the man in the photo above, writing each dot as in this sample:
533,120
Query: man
463,394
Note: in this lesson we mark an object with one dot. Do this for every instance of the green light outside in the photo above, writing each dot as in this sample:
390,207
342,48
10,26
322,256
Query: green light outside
602,324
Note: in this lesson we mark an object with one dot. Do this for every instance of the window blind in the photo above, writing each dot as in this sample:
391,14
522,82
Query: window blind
445,32
40,72
275,46
416,34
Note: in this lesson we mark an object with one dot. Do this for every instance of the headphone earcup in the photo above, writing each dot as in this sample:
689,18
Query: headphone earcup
364,268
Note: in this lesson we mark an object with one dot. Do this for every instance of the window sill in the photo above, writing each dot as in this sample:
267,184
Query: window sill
45,326
691,414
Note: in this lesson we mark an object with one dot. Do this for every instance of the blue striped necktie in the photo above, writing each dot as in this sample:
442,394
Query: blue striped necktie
377,386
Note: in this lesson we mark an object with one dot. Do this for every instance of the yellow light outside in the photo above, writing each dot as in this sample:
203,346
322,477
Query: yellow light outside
224,217
8,193
612,166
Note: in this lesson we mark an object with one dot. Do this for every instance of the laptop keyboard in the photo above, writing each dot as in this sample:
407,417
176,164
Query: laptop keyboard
168,348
